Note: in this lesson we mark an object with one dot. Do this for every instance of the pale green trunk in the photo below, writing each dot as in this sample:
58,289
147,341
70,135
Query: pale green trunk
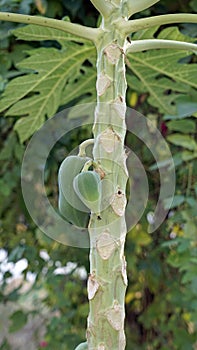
107,280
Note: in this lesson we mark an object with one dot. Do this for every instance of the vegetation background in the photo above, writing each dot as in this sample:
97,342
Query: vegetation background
45,305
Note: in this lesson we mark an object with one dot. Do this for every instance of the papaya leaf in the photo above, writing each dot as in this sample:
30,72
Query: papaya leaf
52,77
160,73
33,32
81,86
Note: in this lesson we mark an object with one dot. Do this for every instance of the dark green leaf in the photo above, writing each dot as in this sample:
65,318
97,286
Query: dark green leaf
177,200
186,155
18,319
46,85
193,4
184,126
183,141
160,73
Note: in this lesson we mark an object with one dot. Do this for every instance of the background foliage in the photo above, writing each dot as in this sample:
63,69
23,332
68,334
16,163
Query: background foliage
48,304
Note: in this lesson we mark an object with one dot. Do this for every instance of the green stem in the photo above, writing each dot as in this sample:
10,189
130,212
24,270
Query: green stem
72,28
103,6
87,165
132,26
139,5
107,281
83,145
150,44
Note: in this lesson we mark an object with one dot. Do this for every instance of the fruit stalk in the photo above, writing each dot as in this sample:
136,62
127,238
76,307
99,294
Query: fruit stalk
107,280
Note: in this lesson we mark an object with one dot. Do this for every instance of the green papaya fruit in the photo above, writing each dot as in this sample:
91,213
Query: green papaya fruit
69,204
82,346
87,186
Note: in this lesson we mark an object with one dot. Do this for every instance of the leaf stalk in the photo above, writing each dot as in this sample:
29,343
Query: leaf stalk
72,28
151,44
132,26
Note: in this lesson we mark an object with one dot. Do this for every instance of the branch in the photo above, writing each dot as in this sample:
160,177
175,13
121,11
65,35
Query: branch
132,26
104,7
72,28
139,5
150,44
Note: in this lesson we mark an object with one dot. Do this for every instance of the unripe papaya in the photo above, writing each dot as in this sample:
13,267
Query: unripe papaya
82,346
87,186
69,204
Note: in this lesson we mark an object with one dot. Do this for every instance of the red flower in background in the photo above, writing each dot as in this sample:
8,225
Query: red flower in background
43,344
163,129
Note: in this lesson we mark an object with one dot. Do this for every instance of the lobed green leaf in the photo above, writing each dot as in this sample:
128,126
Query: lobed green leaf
160,72
52,77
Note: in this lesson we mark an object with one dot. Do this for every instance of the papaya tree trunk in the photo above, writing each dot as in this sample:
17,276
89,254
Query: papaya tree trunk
108,280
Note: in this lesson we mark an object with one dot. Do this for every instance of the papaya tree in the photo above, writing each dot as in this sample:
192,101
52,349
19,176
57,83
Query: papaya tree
119,40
